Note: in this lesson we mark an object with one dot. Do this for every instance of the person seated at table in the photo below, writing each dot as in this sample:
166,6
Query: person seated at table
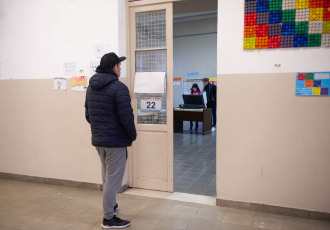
194,90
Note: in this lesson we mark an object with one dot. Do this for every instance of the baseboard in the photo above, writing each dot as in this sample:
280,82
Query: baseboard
220,202
274,209
67,183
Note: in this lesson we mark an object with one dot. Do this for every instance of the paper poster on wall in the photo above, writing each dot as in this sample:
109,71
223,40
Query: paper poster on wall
69,68
213,81
151,104
92,66
79,84
177,81
101,49
59,83
150,82
193,74
313,84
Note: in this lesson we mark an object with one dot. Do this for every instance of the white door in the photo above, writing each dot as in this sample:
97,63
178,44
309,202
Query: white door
151,50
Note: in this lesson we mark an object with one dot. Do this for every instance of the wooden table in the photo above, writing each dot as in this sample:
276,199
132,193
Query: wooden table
202,115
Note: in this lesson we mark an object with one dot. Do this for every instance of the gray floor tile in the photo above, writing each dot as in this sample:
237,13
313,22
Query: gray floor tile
194,159
82,209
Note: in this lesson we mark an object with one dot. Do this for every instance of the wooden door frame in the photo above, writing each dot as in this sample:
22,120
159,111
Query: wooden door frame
150,5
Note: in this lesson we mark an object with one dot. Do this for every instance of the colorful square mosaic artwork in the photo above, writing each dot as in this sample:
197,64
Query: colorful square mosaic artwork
286,24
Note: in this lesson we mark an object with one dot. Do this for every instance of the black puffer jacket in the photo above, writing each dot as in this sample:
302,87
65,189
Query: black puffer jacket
109,111
211,93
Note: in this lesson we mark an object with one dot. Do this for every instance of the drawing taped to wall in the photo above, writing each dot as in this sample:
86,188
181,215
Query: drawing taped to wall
313,84
286,24
79,84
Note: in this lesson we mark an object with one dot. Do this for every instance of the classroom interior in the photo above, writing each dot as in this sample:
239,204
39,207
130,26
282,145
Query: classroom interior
194,58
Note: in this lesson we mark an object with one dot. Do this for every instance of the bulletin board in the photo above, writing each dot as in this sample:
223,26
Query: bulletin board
313,84
286,24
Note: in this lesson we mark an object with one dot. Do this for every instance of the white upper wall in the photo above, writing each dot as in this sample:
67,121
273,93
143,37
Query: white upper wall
36,37
194,50
232,59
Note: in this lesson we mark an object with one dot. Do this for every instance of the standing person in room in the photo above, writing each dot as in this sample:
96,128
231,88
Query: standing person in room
211,95
108,110
194,91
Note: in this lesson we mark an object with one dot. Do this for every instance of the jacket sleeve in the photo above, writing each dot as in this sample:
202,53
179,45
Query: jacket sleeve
214,92
125,112
86,110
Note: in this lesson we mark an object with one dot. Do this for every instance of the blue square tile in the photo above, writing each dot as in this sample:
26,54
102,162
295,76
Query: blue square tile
275,17
316,83
263,6
300,40
288,28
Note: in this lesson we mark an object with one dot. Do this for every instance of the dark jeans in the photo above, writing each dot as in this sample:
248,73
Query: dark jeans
214,114
191,123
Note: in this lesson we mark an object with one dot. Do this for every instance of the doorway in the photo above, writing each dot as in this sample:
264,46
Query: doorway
194,58
151,160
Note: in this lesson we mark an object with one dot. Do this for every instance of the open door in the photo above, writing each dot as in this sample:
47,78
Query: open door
151,50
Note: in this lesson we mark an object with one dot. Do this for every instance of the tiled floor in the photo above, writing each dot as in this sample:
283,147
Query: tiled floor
195,162
47,207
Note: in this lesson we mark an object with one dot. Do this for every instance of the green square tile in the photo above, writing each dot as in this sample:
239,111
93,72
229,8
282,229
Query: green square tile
301,28
314,40
275,5
309,76
289,16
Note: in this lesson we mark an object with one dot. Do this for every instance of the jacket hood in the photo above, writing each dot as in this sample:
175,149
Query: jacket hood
100,80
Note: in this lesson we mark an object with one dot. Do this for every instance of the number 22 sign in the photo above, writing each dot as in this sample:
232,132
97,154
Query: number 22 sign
151,104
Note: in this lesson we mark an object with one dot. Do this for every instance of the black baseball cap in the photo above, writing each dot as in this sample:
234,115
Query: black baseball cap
108,61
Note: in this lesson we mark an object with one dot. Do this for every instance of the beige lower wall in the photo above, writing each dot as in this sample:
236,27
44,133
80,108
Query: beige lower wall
44,132
272,147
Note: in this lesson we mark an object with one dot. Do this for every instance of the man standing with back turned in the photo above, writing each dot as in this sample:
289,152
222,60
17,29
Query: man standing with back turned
110,114
211,95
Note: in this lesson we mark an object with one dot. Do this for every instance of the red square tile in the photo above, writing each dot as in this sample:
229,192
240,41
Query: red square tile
326,14
301,76
326,3
274,42
250,19
316,3
262,30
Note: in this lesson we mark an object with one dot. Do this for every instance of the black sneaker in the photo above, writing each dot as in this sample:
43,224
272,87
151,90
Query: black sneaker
115,222
116,208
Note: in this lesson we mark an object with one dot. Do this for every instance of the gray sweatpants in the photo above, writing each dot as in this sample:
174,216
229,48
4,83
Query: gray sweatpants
113,162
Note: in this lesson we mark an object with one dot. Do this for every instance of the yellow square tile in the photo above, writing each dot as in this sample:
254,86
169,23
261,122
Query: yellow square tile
249,43
316,91
326,27
302,4
316,14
